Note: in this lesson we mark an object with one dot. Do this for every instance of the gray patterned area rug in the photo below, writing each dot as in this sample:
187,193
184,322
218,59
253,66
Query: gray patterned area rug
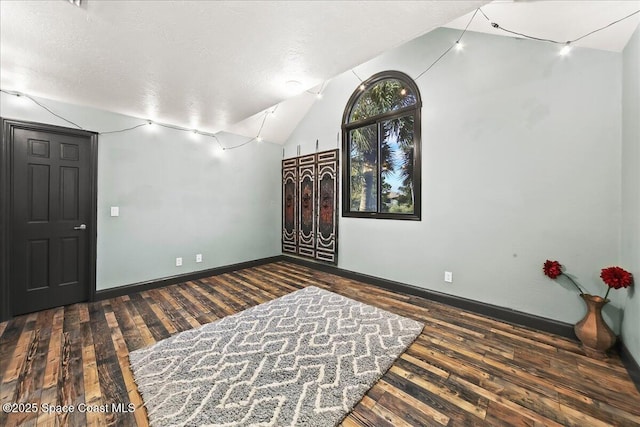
304,359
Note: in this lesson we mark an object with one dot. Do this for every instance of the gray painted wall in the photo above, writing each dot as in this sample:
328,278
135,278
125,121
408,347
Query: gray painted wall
176,197
630,252
521,163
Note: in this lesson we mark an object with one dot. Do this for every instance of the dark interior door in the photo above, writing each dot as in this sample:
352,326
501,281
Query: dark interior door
51,218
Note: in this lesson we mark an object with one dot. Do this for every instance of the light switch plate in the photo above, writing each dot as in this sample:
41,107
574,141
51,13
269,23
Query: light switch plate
198,257
115,211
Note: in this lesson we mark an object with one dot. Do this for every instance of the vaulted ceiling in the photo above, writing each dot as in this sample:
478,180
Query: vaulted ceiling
217,65
198,64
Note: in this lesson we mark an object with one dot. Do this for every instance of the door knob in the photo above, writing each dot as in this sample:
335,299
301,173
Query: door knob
80,227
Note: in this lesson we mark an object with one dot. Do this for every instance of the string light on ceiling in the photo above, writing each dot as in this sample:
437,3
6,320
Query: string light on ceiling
318,94
362,86
566,44
458,45
149,124
25,96
258,137
566,48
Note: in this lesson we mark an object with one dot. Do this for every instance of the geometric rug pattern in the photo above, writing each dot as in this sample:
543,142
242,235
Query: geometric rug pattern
304,359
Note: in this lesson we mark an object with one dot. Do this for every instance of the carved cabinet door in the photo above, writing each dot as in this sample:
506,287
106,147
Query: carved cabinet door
289,206
309,206
307,211
326,220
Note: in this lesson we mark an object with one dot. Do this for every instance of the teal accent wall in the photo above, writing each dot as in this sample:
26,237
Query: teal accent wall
520,163
177,195
527,156
630,235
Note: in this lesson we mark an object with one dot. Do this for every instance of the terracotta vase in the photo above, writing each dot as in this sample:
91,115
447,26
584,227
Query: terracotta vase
596,336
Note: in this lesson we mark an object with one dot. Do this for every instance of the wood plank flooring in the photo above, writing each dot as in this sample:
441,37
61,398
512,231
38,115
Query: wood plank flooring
463,370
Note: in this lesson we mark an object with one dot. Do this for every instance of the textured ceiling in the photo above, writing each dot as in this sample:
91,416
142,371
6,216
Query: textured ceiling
218,65
199,64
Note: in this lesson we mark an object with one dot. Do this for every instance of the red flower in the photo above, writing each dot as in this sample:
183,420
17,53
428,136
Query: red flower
616,277
613,277
552,269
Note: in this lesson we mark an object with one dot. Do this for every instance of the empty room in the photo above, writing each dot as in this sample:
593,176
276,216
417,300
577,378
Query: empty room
319,213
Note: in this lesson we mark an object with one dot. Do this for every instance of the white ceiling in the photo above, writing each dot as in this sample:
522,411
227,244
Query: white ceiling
218,65
199,64
559,20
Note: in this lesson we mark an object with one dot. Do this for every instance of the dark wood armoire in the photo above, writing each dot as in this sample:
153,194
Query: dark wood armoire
310,206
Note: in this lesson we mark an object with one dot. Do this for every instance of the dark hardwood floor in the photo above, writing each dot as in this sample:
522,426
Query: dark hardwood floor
464,369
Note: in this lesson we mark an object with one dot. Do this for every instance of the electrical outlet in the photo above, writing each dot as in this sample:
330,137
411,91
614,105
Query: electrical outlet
178,262
198,257
448,276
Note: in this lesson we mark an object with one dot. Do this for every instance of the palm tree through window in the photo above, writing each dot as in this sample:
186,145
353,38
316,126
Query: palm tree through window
381,149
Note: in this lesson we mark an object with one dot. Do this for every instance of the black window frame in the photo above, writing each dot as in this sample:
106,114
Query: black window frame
348,126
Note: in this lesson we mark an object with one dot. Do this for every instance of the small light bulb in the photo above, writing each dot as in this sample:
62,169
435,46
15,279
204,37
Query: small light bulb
259,138
362,87
459,46
319,95
565,50
217,151
403,91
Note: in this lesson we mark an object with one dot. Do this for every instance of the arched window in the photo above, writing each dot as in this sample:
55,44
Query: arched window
381,149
